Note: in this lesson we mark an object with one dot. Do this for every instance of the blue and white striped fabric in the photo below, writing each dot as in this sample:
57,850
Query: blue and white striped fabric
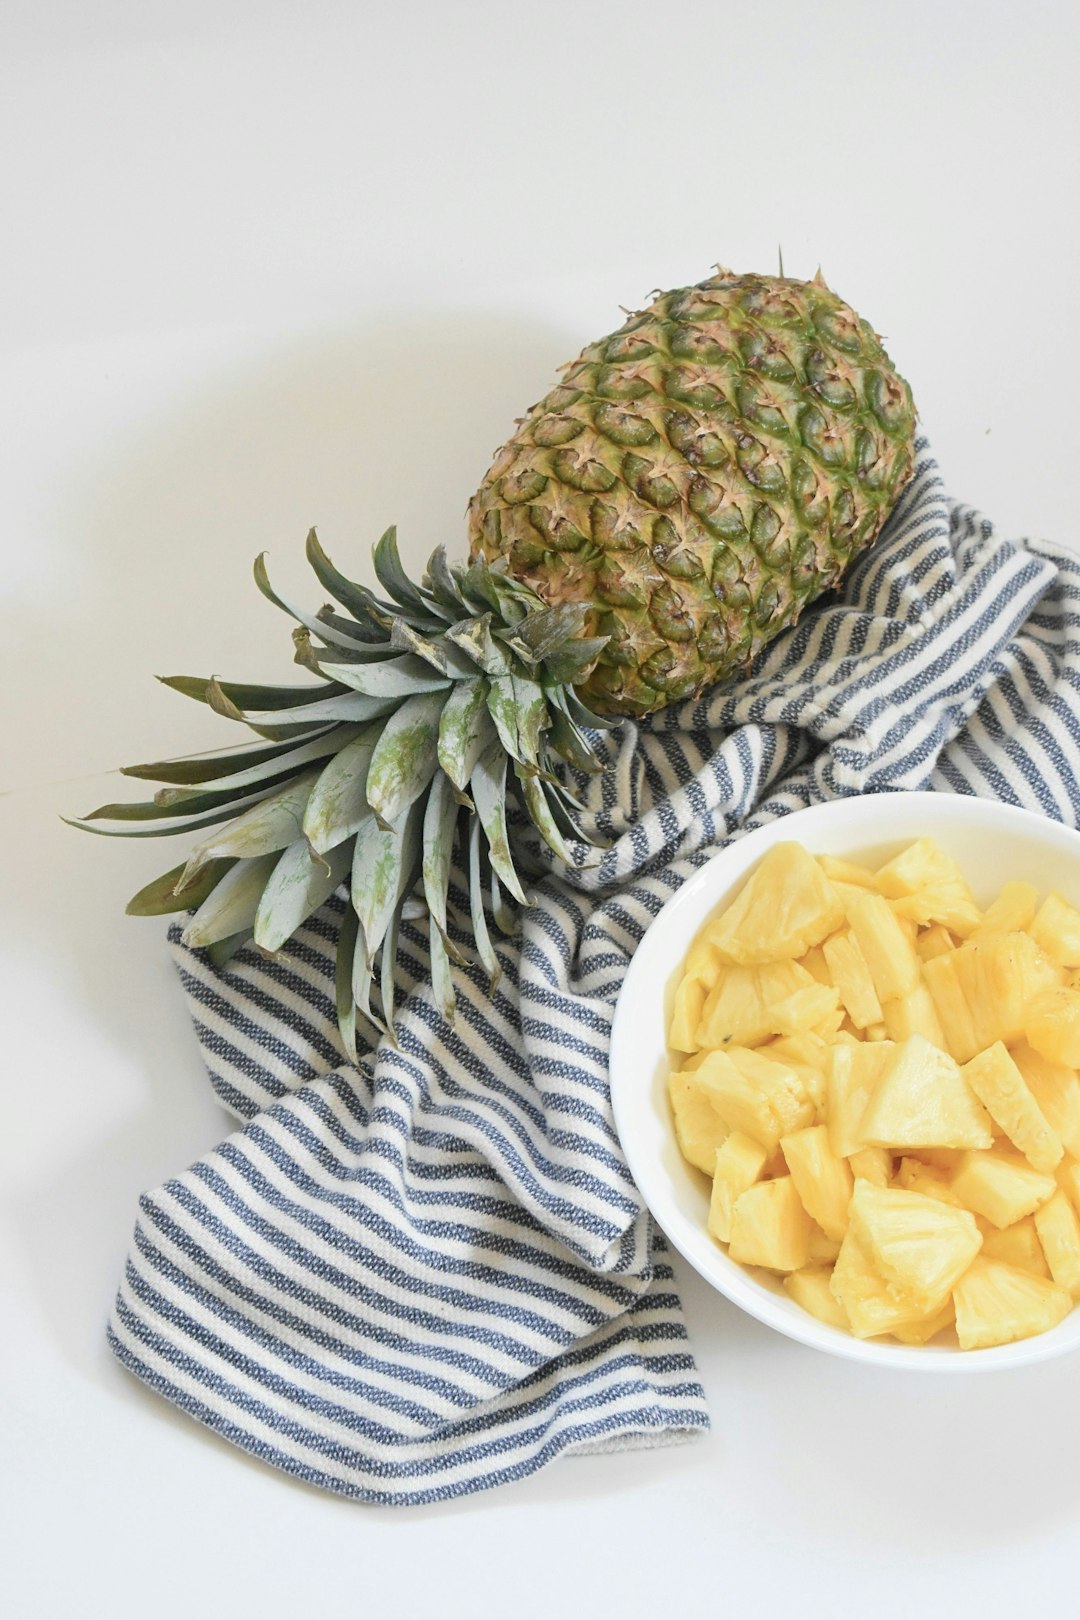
433,1275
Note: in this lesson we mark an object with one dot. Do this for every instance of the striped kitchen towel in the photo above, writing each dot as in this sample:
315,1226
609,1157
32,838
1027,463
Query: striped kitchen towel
433,1274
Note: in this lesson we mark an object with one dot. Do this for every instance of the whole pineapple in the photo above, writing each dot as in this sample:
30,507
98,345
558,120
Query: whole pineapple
688,487
699,476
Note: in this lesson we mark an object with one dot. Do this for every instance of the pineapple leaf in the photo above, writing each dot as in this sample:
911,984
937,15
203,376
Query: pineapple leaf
465,730
405,757
159,898
309,621
344,999
189,823
396,582
328,742
475,639
244,695
298,885
338,801
396,678
484,948
272,824
206,767
442,584
383,860
356,598
232,905
488,786
569,662
440,654
222,951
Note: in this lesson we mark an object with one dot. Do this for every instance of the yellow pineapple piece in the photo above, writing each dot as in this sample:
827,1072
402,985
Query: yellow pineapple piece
875,1032
933,941
958,1026
815,964
786,906
915,1333
755,1095
1018,1246
1001,1088
750,1004
1002,1187
810,1289
1011,912
919,1244
914,1014
921,1100
1055,928
874,1164
702,961
1052,1025
915,1176
822,1179
699,1129
946,1159
872,1305
996,1304
805,1053
821,1250
851,1078
999,976
830,1026
740,1162
841,871
945,903
686,1014
1056,1089
927,886
1058,1226
886,945
770,1227
1068,1177
849,973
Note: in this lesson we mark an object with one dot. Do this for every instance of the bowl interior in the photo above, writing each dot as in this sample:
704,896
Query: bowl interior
993,844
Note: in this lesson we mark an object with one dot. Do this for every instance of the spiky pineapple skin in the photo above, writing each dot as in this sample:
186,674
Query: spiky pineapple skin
699,476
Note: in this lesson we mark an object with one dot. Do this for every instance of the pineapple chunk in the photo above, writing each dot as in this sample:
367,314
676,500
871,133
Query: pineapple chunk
943,982
686,1014
1001,1187
927,886
1068,1176
1000,1087
1056,930
873,1305
851,1078
1058,1227
840,871
1011,912
921,1100
821,1250
815,964
1056,1089
914,1014
786,906
755,1095
999,975
885,944
996,1304
873,1164
922,1332
810,1289
699,1129
739,1163
846,965
807,1054
822,1179
919,1244
750,1004
770,1227
1017,1246
922,1178
875,1032
1052,1025
933,941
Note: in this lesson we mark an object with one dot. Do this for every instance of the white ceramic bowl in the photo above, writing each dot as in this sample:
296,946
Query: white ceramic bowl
992,843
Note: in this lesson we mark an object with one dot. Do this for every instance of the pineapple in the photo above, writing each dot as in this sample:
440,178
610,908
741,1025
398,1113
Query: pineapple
846,968
740,1162
1002,1187
914,1014
821,1250
699,1129
1016,1245
750,1004
815,964
1000,1087
915,1176
921,1100
810,1289
1052,1025
756,1095
841,871
770,1227
874,1164
997,1303
690,483
1058,1226
926,886
822,1180
851,1079
1056,930
1068,1176
872,1304
954,1014
686,1014
999,975
1012,911
916,1333
933,941
786,907
918,1244
884,942
1056,1089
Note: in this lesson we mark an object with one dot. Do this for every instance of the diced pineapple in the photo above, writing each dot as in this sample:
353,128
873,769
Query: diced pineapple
1000,1087
914,867
927,886
922,1332
750,1004
943,903
815,964
1056,930
921,1100
810,1289
786,906
996,1304
755,1094
739,1163
1052,1025
933,941
918,1177
1012,911
1056,1089
1017,1246
851,1078
914,1014
875,1032
1058,1226
1001,1187
770,1227
1068,1177
841,871
821,1250
831,1026
946,1159
873,1164
699,1129
873,1305
917,1243
822,1179
885,944
999,976
686,1014
958,1025
847,967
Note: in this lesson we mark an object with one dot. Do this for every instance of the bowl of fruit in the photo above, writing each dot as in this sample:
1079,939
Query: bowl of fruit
844,1072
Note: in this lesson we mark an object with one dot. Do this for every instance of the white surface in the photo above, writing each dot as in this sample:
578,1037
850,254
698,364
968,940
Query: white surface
991,842
266,265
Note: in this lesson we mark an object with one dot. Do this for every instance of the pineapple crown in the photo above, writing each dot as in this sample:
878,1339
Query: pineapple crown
426,705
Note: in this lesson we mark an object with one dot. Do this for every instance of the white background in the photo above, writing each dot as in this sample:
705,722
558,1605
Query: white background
266,265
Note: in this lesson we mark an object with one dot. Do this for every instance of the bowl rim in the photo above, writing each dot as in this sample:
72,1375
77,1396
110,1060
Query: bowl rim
650,1176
